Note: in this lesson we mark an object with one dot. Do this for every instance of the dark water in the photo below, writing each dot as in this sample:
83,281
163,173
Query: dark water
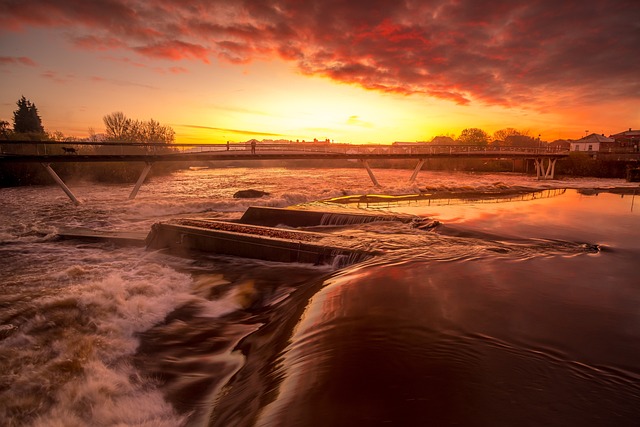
454,326
510,310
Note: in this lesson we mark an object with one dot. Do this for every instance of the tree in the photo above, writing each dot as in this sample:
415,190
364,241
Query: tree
4,129
153,131
515,138
473,136
503,134
120,128
26,118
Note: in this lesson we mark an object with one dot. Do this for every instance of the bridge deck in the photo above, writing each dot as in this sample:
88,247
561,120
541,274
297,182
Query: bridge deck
53,152
56,158
47,152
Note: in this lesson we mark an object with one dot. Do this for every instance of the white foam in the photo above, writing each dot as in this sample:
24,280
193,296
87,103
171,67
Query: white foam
107,390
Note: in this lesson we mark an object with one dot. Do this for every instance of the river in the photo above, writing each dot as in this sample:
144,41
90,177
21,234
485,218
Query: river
516,305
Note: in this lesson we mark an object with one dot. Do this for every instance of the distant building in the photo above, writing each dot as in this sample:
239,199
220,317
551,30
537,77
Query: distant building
560,144
628,140
592,143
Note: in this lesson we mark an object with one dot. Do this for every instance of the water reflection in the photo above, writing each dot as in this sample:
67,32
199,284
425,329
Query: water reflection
605,218
479,344
377,201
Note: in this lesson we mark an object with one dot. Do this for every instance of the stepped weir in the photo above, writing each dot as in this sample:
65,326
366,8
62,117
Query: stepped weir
259,234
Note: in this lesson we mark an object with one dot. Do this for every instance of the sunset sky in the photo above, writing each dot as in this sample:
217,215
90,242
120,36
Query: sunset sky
351,71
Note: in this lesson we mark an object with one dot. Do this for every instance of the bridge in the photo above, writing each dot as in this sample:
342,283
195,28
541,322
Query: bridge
48,152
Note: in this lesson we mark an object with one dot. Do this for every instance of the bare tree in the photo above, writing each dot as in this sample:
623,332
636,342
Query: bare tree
121,128
118,126
153,131
503,134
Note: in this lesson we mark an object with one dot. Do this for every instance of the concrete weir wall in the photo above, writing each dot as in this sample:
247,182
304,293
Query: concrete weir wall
254,236
187,238
272,217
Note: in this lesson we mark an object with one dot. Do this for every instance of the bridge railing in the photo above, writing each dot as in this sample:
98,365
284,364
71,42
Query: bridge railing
56,148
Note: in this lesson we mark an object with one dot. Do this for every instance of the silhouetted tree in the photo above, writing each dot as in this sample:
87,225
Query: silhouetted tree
503,134
4,129
473,136
515,138
120,128
521,141
153,131
26,118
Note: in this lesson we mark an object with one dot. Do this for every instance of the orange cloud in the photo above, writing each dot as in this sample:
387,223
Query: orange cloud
57,77
21,60
500,53
174,50
238,131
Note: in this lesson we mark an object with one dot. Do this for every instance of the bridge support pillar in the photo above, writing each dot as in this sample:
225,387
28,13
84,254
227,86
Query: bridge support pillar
61,183
548,172
416,170
365,162
143,175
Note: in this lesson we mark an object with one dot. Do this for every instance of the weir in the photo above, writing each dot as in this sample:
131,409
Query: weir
250,241
273,217
255,235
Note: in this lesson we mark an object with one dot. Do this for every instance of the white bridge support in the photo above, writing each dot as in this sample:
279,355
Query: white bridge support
365,162
549,171
143,175
61,183
416,170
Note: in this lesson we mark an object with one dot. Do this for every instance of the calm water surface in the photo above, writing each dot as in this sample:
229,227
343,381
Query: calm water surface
511,310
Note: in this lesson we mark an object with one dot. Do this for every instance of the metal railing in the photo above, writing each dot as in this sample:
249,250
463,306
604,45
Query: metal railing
55,148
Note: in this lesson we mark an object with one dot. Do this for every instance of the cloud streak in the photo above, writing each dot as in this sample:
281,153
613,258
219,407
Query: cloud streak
237,131
21,60
502,53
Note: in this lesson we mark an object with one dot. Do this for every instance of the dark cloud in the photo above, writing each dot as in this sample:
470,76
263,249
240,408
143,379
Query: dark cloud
501,53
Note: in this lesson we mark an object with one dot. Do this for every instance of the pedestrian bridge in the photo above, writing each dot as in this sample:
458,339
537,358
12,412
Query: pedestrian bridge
49,152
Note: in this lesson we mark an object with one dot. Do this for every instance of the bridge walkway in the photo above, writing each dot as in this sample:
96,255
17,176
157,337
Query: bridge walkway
48,152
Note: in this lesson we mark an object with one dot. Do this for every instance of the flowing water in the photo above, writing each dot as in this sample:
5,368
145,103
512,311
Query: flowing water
516,303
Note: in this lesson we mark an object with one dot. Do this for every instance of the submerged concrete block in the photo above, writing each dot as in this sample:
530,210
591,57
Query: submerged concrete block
273,217
249,242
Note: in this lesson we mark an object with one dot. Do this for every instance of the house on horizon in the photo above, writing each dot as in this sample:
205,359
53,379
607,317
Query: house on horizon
561,144
592,143
629,140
